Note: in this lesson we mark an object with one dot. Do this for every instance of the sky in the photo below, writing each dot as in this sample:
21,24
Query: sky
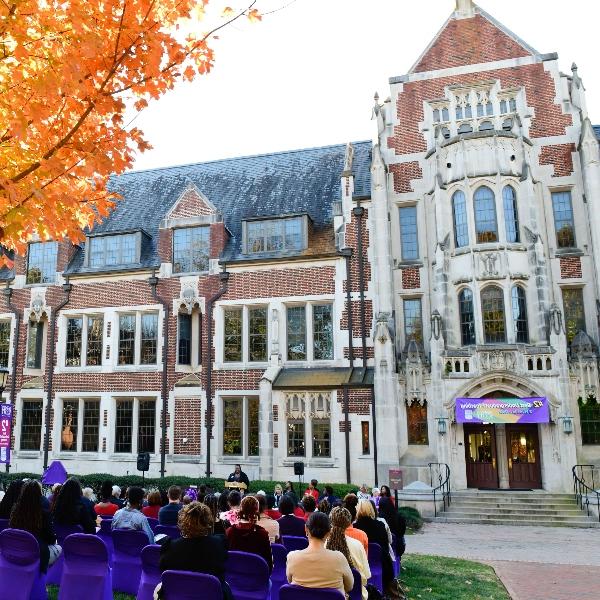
305,75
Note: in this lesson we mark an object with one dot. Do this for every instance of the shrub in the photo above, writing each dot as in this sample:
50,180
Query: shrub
413,517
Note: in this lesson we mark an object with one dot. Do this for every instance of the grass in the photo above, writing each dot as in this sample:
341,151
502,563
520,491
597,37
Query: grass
53,594
441,578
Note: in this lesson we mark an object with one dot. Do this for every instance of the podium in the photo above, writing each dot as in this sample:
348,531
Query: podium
235,485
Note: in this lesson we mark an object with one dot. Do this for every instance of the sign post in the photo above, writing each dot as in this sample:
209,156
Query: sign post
395,479
6,412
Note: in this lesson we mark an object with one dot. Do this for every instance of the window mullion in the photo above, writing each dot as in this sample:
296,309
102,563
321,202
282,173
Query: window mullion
137,347
135,424
310,351
245,426
245,334
80,416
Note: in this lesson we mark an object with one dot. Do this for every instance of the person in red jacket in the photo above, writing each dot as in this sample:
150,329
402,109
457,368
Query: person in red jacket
247,536
312,490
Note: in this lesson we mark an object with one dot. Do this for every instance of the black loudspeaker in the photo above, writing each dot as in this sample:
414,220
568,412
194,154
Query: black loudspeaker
298,468
143,461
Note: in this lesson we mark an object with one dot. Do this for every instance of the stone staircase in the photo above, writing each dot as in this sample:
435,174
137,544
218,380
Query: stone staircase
497,507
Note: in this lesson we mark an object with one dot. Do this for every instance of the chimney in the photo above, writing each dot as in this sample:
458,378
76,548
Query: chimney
465,9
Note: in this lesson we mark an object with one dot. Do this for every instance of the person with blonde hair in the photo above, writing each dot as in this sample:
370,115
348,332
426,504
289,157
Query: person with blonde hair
197,550
351,548
366,520
247,536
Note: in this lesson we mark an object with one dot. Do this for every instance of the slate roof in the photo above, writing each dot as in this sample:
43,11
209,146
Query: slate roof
295,181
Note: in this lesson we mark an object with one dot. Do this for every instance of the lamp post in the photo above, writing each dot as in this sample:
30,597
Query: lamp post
3,381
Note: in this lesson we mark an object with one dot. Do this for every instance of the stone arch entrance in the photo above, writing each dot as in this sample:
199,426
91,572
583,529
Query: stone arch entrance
501,455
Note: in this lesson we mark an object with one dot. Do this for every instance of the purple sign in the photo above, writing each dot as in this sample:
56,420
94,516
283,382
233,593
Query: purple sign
6,411
502,410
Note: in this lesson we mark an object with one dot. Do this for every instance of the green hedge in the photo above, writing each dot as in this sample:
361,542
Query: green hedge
413,517
95,481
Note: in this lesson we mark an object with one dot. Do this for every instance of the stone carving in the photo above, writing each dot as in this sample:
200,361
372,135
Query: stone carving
414,375
556,322
274,331
37,309
320,405
436,324
189,298
489,261
295,406
498,360
382,331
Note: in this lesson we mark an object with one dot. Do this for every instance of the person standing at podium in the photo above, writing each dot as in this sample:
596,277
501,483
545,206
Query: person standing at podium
238,476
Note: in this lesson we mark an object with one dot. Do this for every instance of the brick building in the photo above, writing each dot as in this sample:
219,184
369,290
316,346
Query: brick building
331,305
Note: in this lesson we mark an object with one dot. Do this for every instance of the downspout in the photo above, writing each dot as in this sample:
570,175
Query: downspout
224,278
358,213
153,281
67,287
13,380
347,253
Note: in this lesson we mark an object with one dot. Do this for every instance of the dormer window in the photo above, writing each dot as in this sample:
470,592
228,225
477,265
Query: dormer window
41,262
275,235
191,249
113,250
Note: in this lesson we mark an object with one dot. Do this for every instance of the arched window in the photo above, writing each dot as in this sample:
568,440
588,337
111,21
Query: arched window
459,211
467,317
492,312
486,225
511,215
519,313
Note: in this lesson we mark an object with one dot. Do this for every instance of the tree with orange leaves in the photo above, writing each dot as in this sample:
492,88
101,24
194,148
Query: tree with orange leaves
69,70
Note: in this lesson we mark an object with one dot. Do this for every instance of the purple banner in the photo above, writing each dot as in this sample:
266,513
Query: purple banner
502,410
6,411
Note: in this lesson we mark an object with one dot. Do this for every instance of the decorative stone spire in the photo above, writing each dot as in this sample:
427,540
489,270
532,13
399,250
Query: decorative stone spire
465,9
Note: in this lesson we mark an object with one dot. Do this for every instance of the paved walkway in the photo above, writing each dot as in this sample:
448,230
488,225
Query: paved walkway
553,561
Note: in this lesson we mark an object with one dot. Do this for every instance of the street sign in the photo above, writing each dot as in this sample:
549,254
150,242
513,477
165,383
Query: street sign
395,479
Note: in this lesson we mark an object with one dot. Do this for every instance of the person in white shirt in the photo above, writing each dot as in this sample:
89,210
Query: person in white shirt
266,522
363,493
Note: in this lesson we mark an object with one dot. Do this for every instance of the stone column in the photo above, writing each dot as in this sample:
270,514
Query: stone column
265,424
502,457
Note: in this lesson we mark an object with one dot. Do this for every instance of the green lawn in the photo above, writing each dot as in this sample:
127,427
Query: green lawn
441,578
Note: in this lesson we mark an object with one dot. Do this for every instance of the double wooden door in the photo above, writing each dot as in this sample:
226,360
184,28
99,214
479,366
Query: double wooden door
524,467
480,454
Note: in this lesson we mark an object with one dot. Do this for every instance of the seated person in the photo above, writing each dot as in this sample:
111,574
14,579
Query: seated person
234,500
312,489
309,504
197,550
290,524
132,517
316,566
267,522
247,536
116,496
169,514
331,498
106,507
69,508
154,505
271,510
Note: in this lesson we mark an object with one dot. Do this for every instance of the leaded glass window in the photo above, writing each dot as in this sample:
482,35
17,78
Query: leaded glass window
574,312
416,419
589,418
323,331
41,262
365,437
413,322
149,340
146,426
232,426
74,340
564,223
184,348
91,426
519,313
35,342
31,425
232,351
492,309
257,334
461,226
124,426
113,250
296,333
296,438
275,235
95,332
191,249
486,226
321,434
408,232
511,214
4,343
253,440
467,317
68,438
127,339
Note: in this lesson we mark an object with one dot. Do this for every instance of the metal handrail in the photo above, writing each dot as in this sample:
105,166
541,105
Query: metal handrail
582,490
443,487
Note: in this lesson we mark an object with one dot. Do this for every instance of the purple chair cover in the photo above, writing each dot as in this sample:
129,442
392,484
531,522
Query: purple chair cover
3,524
376,567
171,530
278,576
397,562
185,585
247,576
20,577
55,473
298,592
127,559
356,591
62,532
150,572
294,542
152,522
86,571
105,534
